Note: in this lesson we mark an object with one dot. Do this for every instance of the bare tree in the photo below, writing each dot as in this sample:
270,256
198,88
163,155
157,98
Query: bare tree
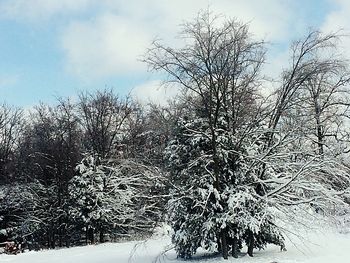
49,153
325,102
11,126
103,116
311,57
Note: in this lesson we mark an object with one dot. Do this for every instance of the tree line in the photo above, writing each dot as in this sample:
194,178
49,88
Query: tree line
81,172
224,163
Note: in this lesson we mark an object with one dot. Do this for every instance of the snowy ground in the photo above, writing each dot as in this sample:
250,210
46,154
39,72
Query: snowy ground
327,246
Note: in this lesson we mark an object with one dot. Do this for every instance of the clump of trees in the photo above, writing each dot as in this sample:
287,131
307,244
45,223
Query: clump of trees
238,157
74,173
221,163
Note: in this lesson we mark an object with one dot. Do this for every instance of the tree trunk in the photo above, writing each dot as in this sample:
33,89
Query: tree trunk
224,244
48,239
235,247
318,123
53,240
102,238
91,235
87,236
219,243
319,138
250,243
60,236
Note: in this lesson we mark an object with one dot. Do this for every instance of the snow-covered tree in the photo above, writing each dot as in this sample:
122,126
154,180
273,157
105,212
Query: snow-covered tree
220,72
48,154
201,211
233,161
116,198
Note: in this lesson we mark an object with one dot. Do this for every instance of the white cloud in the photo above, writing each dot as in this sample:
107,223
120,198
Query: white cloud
112,42
153,91
339,18
339,21
40,9
268,18
272,19
106,46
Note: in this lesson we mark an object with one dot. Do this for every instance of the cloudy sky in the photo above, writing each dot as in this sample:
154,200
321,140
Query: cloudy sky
51,48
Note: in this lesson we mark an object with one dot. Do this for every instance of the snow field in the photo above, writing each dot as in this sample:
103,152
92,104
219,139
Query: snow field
321,247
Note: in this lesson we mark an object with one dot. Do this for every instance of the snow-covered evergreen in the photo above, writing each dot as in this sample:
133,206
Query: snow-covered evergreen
115,198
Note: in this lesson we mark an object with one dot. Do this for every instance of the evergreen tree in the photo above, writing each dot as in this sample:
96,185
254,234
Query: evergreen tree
115,198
